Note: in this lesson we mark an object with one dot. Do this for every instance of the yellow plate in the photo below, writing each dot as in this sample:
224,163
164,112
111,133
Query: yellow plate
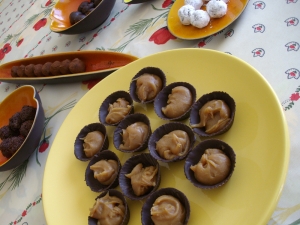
189,32
259,137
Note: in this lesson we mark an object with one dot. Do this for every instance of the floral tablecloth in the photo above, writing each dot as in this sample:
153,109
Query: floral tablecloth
267,36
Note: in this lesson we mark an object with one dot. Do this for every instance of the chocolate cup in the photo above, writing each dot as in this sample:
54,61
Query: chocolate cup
78,145
166,129
93,183
150,70
116,193
125,183
146,208
162,99
195,155
216,95
103,111
127,121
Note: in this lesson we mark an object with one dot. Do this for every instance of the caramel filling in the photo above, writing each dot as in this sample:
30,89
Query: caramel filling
142,179
109,210
148,86
105,171
92,143
117,111
134,136
214,115
167,210
173,144
213,167
179,101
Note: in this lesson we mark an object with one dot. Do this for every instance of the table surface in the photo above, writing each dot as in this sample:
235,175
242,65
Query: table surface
266,36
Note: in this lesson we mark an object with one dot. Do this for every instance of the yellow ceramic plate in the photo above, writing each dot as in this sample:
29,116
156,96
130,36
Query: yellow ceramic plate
259,137
189,32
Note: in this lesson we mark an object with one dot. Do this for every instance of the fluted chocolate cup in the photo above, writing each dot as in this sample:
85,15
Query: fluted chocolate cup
195,117
195,155
127,121
146,208
147,70
162,98
125,183
103,111
118,194
91,181
164,130
78,145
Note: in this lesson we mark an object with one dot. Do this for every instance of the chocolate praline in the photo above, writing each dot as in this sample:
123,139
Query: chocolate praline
91,181
126,122
162,98
54,69
21,71
125,183
164,130
14,71
195,155
147,70
64,66
146,208
46,69
77,66
118,194
29,70
110,99
78,145
37,70
195,117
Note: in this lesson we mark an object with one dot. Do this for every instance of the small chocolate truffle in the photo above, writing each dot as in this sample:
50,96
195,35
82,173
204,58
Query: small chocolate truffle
6,132
84,7
21,71
64,66
15,121
89,11
77,66
29,70
27,113
25,128
76,16
14,71
46,69
10,145
54,69
37,70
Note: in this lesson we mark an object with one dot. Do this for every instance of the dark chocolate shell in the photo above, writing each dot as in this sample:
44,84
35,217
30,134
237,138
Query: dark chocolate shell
162,99
150,70
93,183
116,193
103,111
195,155
216,95
127,121
78,145
166,129
146,209
125,183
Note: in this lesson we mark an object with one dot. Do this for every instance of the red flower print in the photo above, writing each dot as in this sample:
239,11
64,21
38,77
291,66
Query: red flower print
201,44
42,22
6,49
48,3
161,36
166,3
295,96
19,42
43,147
24,213
91,83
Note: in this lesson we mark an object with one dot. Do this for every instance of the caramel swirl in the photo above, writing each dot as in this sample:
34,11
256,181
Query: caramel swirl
167,210
148,86
92,143
105,171
117,111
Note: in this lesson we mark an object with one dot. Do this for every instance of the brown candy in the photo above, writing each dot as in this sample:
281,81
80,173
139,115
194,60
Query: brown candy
77,66
13,71
21,71
46,69
29,70
37,70
54,69
64,67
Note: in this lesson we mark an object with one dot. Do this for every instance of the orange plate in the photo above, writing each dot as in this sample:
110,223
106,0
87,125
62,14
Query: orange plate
189,32
99,64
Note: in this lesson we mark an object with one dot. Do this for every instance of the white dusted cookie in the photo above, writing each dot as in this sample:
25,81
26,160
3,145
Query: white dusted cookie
200,18
195,3
185,13
216,8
